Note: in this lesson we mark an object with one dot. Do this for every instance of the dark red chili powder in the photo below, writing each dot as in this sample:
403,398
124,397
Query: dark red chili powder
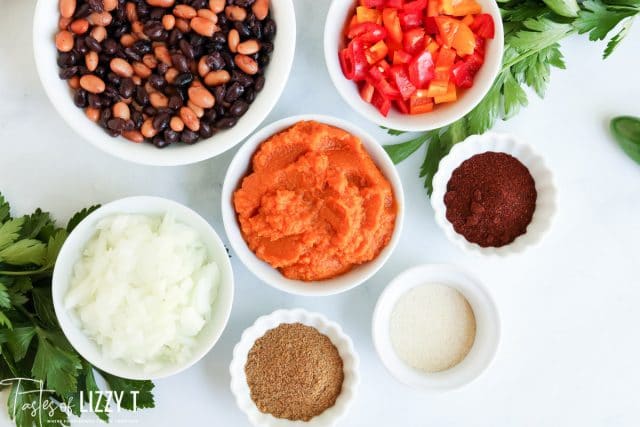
490,199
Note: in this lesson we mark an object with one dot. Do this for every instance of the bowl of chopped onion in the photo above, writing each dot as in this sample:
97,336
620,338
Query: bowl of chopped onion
143,288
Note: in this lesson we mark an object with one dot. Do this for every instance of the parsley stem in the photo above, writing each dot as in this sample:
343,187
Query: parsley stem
506,66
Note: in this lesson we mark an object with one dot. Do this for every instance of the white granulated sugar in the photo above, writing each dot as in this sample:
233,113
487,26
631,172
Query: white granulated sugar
432,327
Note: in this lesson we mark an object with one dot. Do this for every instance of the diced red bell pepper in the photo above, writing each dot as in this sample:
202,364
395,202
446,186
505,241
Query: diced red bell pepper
415,6
387,89
420,103
410,20
376,74
368,32
421,70
392,24
384,66
401,106
396,4
401,57
366,91
353,61
381,102
401,79
484,26
464,71
372,3
377,52
413,40
430,26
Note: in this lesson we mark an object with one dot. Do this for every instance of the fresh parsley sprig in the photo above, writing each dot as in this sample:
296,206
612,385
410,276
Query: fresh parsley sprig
533,30
32,345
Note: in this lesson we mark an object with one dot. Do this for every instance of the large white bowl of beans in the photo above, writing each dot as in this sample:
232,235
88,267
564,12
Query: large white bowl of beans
164,82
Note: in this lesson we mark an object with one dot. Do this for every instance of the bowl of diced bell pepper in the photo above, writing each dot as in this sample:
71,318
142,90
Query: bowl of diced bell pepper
413,65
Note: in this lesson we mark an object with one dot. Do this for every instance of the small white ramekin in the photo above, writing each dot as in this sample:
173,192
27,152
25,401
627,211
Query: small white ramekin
486,341
72,250
332,330
443,114
240,166
502,143
45,26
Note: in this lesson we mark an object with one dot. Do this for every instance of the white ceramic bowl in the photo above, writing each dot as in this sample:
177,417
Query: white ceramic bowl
332,330
443,114
545,187
72,249
45,26
239,168
487,328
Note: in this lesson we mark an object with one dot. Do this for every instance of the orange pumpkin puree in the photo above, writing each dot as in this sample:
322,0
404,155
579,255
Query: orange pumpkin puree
315,204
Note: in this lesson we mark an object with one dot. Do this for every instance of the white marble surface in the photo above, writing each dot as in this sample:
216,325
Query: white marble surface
569,353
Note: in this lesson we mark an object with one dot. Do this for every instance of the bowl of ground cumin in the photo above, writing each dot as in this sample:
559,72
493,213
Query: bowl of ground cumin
494,195
294,368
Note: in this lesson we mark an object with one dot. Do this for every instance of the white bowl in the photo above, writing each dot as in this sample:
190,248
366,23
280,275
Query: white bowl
72,249
503,143
487,327
332,330
239,168
45,26
443,114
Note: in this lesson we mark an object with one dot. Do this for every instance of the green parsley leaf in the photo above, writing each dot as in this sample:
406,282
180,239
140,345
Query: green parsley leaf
57,365
599,19
18,340
10,232
43,304
399,152
35,223
24,252
567,8
5,209
5,299
143,399
393,132
514,96
53,247
615,40
626,131
79,216
436,150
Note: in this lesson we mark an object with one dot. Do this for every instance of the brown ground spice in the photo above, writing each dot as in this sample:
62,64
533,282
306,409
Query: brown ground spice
490,199
294,372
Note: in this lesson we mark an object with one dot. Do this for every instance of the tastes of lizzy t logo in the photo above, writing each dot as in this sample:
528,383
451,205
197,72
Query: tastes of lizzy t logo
31,396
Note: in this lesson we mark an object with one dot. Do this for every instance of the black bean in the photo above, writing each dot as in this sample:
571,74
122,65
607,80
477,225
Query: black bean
137,119
266,47
149,111
80,98
113,78
187,49
223,22
244,3
67,59
243,29
142,47
80,46
206,130
142,97
157,81
171,136
129,125
209,116
162,68
118,31
215,61
160,142
96,5
174,36
198,4
132,54
111,92
67,73
219,38
183,79
126,88
157,13
155,31
226,123
95,101
258,84
82,11
93,44
188,136
180,62
263,60
244,79
105,116
161,121
250,95
219,91
228,60
269,30
110,46
234,92
175,102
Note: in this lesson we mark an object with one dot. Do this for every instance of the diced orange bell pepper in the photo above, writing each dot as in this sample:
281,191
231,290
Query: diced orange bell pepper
366,91
433,48
444,63
365,14
456,34
433,8
467,20
377,52
461,7
420,102
392,24
447,29
437,88
450,96
401,57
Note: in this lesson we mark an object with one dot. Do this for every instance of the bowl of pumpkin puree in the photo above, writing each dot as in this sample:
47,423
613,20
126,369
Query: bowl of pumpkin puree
312,205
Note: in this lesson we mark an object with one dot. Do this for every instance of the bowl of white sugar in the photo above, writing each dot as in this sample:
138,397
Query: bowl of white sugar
436,328
143,288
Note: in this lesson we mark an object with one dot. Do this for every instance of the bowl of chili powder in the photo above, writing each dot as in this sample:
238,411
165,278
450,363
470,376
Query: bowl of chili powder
494,195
